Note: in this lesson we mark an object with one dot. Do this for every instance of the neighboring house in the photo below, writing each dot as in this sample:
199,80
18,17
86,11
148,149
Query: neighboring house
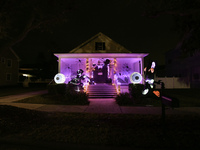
102,60
187,68
9,65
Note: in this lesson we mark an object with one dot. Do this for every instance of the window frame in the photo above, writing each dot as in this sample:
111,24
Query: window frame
100,46
8,76
9,64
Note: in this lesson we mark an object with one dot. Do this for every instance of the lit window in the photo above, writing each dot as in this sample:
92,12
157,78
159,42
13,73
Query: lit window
100,46
8,76
9,63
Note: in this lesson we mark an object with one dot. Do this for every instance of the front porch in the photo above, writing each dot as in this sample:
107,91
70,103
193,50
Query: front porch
112,68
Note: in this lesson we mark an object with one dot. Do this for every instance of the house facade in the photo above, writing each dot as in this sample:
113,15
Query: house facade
102,61
9,64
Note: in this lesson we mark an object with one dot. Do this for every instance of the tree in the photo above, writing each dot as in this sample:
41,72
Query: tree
186,14
19,17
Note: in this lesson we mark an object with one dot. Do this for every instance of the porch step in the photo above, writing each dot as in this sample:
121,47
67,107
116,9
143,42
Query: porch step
101,91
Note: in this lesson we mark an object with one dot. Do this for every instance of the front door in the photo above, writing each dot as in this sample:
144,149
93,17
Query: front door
100,74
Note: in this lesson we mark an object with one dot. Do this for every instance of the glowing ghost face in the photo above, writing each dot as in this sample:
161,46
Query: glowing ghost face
153,64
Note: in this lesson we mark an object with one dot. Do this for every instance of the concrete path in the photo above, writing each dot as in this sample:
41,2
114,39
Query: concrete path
13,98
96,106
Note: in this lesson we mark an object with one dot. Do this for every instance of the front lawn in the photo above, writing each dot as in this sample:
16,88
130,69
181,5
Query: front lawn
5,91
125,130
59,99
186,98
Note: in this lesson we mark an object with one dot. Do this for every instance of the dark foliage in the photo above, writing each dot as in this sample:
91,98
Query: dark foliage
67,93
124,99
135,91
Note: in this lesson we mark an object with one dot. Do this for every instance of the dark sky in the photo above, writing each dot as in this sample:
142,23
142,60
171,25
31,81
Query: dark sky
122,21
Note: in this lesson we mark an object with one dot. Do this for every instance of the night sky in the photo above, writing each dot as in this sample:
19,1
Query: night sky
122,21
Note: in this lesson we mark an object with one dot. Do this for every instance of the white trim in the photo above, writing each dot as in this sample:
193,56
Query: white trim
101,55
59,64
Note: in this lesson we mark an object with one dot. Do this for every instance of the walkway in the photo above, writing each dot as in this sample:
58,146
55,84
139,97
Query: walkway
96,106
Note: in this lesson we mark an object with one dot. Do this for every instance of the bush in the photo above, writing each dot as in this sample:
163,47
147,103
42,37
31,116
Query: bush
55,89
124,99
135,91
68,94
80,98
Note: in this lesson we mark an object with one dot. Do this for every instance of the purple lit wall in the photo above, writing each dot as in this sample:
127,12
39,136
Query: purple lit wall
69,67
119,69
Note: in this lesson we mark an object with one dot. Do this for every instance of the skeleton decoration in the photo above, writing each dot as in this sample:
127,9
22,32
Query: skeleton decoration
149,78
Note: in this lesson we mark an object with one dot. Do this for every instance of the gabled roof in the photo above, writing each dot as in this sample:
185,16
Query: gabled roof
89,45
6,51
14,54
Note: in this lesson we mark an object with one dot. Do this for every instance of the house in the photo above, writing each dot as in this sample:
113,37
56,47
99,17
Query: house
9,64
186,68
102,60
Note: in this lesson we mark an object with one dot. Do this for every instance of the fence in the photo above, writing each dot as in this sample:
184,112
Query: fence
172,83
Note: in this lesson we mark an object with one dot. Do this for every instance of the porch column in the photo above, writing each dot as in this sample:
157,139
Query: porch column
59,64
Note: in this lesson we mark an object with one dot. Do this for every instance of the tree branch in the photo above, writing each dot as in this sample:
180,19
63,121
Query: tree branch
155,14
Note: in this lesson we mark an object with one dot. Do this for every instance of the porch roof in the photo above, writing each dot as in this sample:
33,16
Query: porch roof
101,55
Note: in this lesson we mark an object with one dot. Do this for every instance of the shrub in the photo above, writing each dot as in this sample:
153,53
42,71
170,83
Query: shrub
135,91
67,94
124,99
80,98
55,89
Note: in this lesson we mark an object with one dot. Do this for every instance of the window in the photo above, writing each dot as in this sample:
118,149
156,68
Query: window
8,77
9,63
2,59
100,46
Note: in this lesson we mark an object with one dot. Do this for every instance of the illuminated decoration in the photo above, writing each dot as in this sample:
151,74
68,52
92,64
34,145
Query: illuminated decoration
117,72
79,62
126,68
149,81
153,65
87,65
118,90
67,66
157,93
145,91
77,81
135,77
115,65
59,78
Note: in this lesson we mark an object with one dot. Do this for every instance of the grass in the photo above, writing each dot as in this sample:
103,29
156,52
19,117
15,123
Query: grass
5,91
123,130
78,99
187,97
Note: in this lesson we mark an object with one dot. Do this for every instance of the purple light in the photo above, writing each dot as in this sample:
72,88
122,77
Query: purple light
119,67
